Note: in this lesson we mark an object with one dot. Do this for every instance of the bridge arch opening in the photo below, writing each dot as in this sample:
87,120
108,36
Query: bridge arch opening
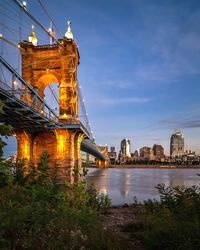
51,96
44,81
48,89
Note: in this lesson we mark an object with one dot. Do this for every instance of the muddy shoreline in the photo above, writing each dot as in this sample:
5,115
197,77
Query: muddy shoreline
153,166
116,219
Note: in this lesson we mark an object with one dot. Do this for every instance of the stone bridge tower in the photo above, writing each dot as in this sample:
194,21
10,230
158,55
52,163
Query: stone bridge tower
41,66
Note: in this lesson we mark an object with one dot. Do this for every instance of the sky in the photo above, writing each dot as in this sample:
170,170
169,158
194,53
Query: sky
139,67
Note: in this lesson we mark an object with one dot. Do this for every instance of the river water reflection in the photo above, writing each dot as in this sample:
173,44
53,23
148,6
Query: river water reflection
123,184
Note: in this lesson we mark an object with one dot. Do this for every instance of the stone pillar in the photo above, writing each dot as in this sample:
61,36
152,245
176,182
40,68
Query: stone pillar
45,142
65,155
77,156
68,90
24,149
65,96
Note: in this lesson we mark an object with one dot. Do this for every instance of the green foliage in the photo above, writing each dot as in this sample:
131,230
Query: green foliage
36,214
5,175
5,130
96,200
171,223
85,169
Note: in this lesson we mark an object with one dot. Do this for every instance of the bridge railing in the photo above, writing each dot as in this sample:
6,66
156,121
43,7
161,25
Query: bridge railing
14,85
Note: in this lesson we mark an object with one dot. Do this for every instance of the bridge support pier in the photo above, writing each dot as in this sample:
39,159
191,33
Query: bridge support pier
62,146
77,156
64,156
102,164
25,149
68,160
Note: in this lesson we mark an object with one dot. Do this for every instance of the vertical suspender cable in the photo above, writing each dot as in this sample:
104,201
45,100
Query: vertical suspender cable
45,10
35,20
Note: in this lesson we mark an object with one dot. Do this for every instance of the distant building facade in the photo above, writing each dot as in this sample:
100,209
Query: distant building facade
126,147
146,153
177,144
87,158
112,155
136,154
112,149
158,152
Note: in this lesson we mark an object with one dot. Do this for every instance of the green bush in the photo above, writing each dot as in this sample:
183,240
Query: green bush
171,223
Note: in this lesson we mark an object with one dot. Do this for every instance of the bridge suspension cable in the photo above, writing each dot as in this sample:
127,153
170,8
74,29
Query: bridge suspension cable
48,15
9,42
23,9
16,17
82,103
35,20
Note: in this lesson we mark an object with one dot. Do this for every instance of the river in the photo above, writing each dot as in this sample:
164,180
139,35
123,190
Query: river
122,184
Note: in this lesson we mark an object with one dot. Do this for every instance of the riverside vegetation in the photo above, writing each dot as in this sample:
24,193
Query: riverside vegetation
171,223
36,214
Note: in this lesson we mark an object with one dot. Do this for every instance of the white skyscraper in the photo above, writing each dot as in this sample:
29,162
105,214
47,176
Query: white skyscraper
126,147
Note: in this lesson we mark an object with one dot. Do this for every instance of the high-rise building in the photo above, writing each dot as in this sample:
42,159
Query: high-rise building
147,153
135,154
112,155
126,147
158,151
177,144
112,149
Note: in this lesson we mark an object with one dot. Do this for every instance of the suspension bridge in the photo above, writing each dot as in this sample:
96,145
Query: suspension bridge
59,124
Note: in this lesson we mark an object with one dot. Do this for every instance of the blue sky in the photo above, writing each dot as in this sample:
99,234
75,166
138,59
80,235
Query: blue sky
139,66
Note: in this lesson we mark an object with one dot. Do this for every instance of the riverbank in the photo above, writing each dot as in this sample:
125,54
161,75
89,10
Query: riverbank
117,220
153,166
158,224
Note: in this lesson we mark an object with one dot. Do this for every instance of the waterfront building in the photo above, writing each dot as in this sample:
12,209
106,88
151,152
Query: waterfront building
147,153
120,156
112,149
112,155
90,159
158,152
177,144
87,158
126,147
136,154
83,157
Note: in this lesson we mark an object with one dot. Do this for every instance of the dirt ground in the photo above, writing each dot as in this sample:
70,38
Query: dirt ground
115,220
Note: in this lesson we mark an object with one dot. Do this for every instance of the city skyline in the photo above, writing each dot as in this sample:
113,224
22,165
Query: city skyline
139,67
175,133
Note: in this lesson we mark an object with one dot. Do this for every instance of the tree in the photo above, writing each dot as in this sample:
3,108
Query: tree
5,131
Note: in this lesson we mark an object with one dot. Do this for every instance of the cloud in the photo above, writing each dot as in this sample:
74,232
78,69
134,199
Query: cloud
123,84
181,123
121,101
154,73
